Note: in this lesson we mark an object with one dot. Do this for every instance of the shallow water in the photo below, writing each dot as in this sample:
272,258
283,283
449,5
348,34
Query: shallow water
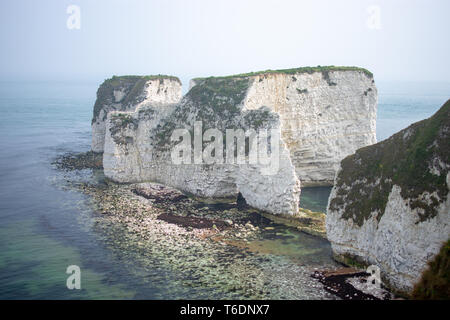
45,227
315,198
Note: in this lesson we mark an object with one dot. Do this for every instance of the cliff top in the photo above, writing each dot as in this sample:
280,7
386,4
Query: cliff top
406,159
293,71
115,80
132,84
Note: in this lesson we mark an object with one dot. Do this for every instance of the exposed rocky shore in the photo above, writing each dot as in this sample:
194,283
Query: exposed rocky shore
209,247
79,161
352,284
231,247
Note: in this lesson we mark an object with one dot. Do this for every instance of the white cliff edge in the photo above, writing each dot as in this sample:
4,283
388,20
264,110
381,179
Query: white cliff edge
409,231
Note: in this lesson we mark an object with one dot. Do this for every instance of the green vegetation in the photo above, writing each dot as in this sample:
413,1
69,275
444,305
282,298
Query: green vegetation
119,122
117,80
351,261
326,76
163,133
218,93
294,71
216,102
435,281
213,101
218,99
132,85
123,120
259,118
403,160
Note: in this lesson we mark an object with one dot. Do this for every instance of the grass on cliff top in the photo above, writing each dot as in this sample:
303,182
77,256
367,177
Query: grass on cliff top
220,94
309,70
435,281
116,80
214,101
401,160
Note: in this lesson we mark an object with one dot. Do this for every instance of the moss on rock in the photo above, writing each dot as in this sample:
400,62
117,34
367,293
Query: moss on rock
220,95
323,69
120,122
435,281
132,86
367,177
216,102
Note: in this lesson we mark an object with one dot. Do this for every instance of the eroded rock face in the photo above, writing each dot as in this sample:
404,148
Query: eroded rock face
325,116
126,94
390,205
322,115
138,147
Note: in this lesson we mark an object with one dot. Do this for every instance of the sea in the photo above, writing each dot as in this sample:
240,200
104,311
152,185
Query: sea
44,227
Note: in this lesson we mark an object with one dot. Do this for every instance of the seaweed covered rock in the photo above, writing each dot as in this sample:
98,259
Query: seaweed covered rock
390,205
125,93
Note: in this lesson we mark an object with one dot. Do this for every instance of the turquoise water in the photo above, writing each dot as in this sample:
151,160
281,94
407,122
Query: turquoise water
39,233
43,227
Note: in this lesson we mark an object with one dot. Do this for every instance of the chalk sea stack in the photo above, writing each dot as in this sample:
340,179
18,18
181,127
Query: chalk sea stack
322,114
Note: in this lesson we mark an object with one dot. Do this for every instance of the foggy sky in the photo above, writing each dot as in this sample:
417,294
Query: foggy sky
190,38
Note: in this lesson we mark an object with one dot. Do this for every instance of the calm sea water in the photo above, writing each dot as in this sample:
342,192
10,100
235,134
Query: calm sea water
41,231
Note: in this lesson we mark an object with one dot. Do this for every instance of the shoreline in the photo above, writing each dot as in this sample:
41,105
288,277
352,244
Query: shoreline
179,228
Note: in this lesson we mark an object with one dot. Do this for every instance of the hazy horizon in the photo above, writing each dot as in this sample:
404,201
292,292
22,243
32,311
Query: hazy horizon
203,38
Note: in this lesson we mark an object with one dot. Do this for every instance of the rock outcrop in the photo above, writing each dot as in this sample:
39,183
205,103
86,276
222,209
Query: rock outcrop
390,205
139,147
326,114
321,114
126,93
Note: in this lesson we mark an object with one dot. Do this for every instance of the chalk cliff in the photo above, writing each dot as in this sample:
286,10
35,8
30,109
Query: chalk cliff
322,114
126,93
390,205
138,147
326,114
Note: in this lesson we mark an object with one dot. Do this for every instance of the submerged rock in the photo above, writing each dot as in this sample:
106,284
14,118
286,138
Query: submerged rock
390,205
79,161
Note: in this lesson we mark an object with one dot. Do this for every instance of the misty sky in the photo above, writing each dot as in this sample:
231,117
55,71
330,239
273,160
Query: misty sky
190,38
